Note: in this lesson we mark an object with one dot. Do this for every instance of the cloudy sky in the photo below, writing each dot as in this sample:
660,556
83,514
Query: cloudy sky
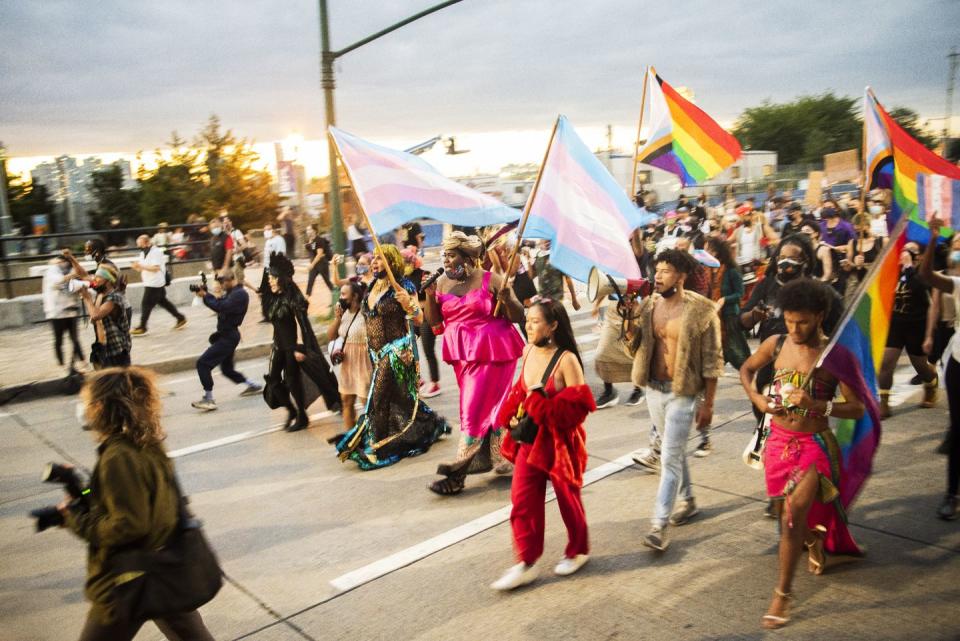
112,76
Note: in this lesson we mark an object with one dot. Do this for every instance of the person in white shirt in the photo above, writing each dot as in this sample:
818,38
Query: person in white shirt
153,271
273,243
61,306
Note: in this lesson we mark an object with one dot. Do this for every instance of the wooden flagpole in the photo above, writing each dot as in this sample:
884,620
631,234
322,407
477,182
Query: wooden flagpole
512,265
863,161
363,212
636,143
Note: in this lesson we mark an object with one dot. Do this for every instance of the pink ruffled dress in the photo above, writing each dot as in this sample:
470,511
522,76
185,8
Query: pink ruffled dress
483,351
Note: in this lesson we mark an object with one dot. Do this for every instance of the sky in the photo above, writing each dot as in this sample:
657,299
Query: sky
84,78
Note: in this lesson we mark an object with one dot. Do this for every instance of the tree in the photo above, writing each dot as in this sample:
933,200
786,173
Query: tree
112,200
801,131
27,200
174,190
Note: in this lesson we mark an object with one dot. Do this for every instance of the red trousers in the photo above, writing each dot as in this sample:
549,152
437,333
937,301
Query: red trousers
527,518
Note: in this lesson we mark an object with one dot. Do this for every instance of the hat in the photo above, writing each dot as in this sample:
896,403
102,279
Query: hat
670,215
280,265
795,207
743,210
162,226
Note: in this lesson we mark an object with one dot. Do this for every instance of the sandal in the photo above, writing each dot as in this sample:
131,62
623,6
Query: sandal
447,487
772,621
817,559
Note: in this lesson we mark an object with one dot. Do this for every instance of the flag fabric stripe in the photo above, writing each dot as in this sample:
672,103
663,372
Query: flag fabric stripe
940,195
582,210
699,148
395,187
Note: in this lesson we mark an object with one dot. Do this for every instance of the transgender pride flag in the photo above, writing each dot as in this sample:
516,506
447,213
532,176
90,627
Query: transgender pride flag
583,211
395,187
940,196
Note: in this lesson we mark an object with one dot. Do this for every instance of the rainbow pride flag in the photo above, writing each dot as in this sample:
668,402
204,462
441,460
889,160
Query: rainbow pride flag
583,211
395,187
683,139
894,159
854,354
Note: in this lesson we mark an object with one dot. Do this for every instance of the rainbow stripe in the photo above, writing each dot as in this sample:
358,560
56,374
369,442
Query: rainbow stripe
583,211
860,339
684,140
894,159
395,187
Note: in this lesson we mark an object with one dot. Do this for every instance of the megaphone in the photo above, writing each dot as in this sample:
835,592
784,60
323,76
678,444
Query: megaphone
600,285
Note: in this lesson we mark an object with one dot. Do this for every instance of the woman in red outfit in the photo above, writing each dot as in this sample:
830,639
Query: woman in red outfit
552,392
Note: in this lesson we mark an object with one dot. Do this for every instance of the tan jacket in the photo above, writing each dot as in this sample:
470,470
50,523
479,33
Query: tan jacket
699,351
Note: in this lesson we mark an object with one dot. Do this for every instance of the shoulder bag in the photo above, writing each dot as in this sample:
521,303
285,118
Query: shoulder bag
526,429
753,452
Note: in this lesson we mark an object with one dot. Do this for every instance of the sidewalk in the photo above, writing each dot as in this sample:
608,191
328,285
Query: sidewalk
27,355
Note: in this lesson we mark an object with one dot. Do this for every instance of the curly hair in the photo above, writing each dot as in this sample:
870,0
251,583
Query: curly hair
801,241
393,258
722,252
124,401
805,295
681,261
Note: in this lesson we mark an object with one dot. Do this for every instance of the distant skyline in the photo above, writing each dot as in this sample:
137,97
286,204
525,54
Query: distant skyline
95,78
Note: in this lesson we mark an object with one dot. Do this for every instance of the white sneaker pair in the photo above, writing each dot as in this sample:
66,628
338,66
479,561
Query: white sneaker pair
522,574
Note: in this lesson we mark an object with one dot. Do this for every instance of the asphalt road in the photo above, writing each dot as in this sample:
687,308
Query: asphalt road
316,549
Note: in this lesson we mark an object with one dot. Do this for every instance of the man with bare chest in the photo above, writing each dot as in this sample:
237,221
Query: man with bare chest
678,358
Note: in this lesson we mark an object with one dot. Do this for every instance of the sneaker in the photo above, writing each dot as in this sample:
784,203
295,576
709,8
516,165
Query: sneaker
181,323
607,399
519,575
948,509
251,389
686,511
656,539
636,396
703,450
648,459
771,510
138,331
568,566
432,390
205,405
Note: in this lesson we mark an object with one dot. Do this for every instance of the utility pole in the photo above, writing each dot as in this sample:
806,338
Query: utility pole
953,56
328,83
6,221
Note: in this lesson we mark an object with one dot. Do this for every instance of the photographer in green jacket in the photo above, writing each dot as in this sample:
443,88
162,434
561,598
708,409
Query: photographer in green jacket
132,500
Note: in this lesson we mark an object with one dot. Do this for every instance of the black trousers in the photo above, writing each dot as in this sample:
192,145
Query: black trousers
290,240
176,627
153,296
284,365
953,400
429,341
220,353
323,270
63,326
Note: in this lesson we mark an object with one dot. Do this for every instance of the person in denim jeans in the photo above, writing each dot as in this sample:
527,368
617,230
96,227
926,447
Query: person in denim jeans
678,358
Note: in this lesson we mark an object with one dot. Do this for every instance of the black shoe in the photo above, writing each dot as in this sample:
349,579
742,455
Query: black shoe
302,422
916,380
944,447
636,396
948,509
608,399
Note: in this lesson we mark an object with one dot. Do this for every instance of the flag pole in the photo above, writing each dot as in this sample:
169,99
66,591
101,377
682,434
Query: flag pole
636,143
863,158
512,264
373,232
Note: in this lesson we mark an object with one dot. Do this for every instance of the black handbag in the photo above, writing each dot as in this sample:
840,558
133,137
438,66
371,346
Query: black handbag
526,429
179,577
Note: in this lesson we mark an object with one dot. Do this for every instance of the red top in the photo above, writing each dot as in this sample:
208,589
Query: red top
560,447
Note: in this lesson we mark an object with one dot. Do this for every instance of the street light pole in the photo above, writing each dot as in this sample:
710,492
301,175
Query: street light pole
328,83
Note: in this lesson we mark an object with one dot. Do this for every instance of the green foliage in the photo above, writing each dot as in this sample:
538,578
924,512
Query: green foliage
174,190
113,201
26,200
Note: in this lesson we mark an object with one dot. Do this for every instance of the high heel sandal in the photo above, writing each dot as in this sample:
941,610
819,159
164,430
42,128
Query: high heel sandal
772,621
447,486
817,558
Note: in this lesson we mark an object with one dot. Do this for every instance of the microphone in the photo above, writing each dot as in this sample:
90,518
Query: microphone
430,281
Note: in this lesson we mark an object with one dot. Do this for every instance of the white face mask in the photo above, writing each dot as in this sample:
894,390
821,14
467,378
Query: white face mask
80,410
268,233
876,209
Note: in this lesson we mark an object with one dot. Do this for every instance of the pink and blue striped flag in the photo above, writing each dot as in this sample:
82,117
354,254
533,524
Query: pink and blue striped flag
940,196
583,211
395,187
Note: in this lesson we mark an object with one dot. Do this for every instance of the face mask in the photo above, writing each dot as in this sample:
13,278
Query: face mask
80,411
215,231
876,209
88,257
268,233
380,274
955,256
345,304
362,269
457,273
65,268
669,292
542,342
788,269
102,287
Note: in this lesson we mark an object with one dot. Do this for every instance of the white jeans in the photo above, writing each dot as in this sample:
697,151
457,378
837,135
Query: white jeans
673,415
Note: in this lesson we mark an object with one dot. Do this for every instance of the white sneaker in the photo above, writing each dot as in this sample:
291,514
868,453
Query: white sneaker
205,405
518,575
567,566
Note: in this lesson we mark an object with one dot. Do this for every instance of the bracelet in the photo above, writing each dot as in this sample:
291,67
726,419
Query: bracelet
829,409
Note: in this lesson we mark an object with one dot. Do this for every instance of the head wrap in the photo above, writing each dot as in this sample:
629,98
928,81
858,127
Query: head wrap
469,246
502,235
106,274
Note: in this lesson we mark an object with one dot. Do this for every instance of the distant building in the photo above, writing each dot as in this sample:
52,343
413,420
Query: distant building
69,184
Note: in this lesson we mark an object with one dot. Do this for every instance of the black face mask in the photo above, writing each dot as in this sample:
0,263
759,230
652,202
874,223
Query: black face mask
669,292
380,274
789,269
542,342
102,287
344,303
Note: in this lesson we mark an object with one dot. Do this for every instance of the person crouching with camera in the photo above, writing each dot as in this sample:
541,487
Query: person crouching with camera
545,410
348,349
133,500
231,308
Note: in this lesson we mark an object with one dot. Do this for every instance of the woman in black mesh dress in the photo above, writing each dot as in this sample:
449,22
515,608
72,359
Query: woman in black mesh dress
395,423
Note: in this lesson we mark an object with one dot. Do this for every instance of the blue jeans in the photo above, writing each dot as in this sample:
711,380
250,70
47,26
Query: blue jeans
675,414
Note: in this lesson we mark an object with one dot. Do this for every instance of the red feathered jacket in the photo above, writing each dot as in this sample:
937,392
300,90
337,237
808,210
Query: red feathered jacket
560,448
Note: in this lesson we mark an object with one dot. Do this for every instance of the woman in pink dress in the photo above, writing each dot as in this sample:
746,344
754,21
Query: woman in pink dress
482,349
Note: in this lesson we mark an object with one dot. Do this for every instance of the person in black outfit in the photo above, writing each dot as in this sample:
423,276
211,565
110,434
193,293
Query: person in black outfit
415,272
286,309
319,252
794,222
231,309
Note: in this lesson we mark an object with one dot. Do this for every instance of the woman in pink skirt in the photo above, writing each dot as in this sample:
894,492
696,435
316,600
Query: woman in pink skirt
348,336
482,349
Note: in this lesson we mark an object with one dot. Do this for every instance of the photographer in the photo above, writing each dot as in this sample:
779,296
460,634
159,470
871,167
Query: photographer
133,500
231,309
